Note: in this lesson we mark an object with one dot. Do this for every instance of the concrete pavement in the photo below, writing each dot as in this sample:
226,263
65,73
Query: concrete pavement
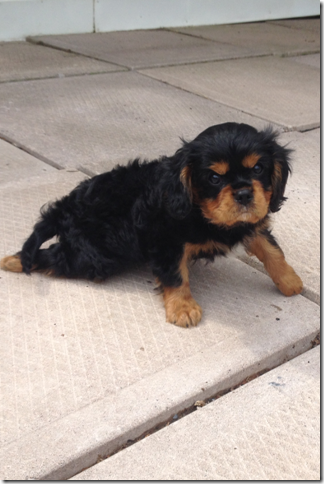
267,429
88,367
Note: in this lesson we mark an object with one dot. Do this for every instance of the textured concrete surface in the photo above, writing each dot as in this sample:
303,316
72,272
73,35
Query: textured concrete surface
17,164
84,373
313,24
63,354
267,430
145,48
86,367
269,87
263,37
313,60
23,61
106,119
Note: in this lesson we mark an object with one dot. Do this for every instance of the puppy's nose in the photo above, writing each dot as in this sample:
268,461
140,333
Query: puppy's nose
244,196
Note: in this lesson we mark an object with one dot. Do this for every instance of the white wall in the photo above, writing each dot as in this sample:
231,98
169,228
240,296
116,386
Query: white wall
20,18
141,14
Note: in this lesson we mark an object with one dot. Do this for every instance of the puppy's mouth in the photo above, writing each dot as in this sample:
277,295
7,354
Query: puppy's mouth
247,205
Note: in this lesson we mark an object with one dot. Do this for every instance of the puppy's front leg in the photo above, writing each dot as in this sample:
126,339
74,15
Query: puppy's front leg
180,307
265,247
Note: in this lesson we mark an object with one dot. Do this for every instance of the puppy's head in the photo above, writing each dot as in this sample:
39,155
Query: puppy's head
233,172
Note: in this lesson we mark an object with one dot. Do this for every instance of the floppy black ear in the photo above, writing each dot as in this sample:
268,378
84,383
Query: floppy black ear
176,184
281,170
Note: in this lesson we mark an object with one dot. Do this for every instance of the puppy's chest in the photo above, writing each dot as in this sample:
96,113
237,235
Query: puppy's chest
215,242
207,250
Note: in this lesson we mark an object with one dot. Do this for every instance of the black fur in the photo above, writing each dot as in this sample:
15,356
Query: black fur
147,211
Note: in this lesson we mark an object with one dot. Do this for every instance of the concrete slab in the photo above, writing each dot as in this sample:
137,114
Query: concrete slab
16,164
22,61
313,24
145,48
272,88
88,366
264,37
106,119
268,429
313,60
297,225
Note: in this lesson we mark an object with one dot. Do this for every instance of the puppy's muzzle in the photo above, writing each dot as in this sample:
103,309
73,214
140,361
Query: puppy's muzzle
244,196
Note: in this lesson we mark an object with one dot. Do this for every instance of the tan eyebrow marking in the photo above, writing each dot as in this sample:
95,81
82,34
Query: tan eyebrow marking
220,167
251,160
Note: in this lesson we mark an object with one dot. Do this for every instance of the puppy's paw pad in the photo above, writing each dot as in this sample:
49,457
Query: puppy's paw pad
11,263
185,314
290,284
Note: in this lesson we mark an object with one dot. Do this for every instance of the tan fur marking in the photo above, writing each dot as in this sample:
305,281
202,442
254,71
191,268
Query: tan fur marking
11,263
181,308
282,274
185,178
276,175
220,167
251,160
224,210
193,250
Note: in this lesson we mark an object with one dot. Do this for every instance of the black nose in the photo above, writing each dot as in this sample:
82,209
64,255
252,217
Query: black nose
244,196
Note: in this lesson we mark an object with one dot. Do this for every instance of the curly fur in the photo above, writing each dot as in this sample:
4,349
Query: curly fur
166,212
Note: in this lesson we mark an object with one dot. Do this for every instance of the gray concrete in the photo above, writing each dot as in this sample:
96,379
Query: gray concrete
17,164
268,87
98,121
85,372
23,61
313,24
88,366
145,48
266,430
313,60
263,37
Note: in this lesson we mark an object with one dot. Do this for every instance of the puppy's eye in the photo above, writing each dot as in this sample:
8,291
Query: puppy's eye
214,178
258,168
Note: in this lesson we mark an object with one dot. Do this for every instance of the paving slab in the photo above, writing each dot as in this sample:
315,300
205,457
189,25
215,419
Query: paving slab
22,61
313,60
297,224
273,88
87,366
16,164
264,37
313,24
106,119
145,48
268,429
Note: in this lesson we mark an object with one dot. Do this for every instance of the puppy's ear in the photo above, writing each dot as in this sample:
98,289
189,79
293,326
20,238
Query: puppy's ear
281,170
176,183
280,157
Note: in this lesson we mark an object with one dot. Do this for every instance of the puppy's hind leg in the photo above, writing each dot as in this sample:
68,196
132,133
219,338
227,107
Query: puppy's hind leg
11,263
43,230
266,249
24,261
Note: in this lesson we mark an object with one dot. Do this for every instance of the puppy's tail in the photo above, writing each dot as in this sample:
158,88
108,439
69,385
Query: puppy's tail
24,261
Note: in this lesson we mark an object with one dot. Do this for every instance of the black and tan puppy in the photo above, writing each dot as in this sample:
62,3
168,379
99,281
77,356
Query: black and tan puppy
215,192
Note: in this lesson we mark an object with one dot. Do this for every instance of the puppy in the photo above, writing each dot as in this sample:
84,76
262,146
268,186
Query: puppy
215,192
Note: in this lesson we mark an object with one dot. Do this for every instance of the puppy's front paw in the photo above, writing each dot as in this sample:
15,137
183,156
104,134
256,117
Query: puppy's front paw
183,312
289,283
